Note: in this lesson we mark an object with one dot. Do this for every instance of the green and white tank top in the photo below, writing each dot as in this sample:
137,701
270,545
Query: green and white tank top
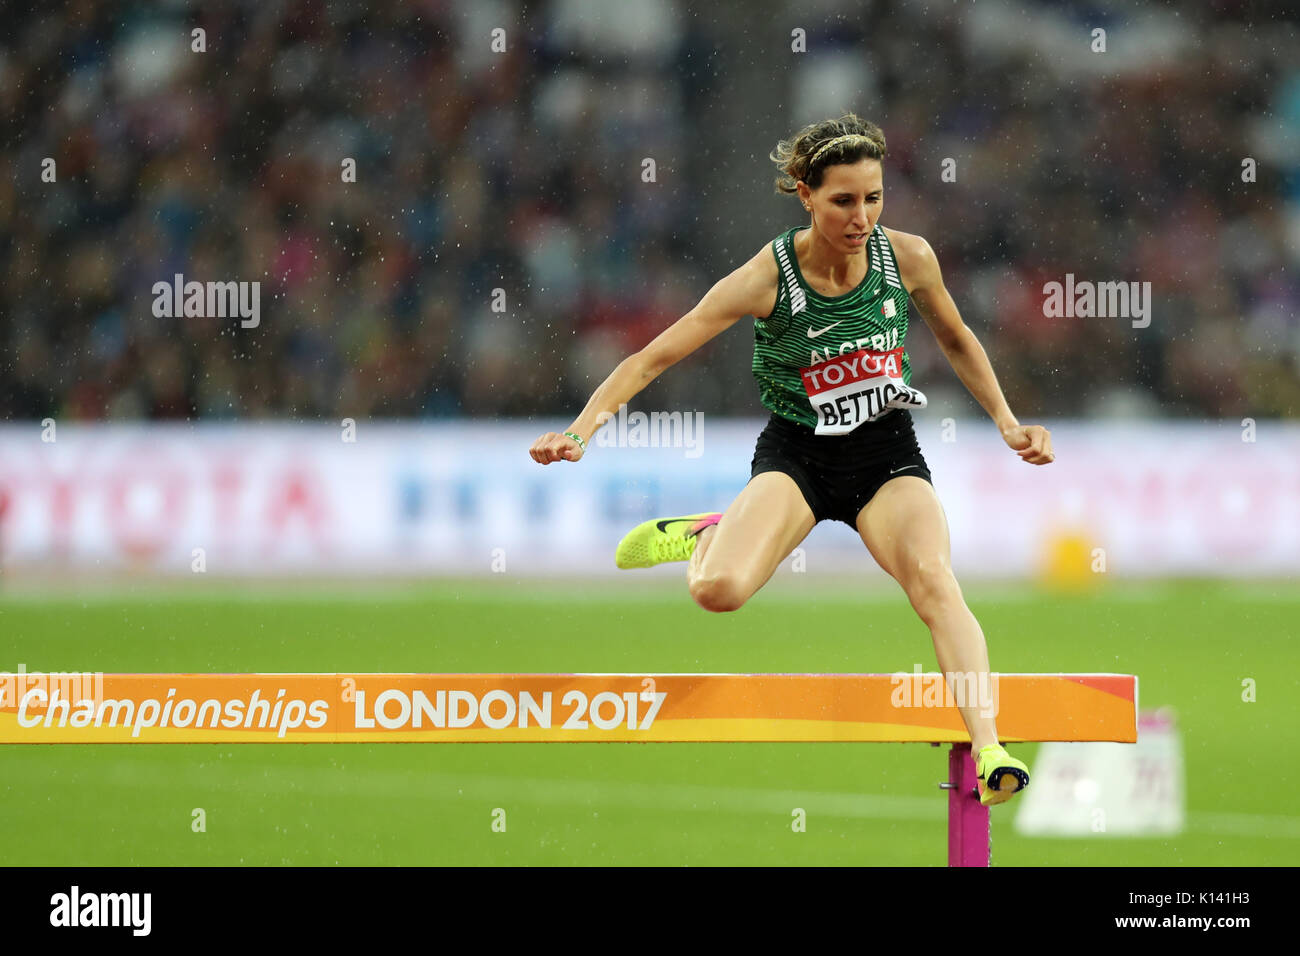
834,362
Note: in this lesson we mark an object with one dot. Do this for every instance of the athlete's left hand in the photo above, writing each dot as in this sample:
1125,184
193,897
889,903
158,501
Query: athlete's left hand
1033,443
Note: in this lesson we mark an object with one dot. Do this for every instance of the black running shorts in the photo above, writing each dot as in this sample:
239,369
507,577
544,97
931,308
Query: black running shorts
839,474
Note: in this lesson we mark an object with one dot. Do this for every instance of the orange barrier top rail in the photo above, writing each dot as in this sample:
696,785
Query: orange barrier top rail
648,708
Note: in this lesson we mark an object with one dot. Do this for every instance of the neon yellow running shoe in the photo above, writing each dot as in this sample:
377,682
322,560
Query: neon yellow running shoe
661,540
1001,776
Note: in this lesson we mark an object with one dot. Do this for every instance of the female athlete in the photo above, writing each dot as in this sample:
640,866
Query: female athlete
830,301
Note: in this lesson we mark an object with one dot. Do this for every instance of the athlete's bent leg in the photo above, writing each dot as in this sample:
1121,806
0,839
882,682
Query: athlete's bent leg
904,528
737,556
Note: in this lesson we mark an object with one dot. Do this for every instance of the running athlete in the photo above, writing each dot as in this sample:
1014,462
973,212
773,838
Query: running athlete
830,301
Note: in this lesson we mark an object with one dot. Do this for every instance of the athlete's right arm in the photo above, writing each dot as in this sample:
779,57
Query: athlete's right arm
750,290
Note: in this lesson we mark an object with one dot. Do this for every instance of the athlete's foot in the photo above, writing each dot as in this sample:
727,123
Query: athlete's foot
1000,775
661,540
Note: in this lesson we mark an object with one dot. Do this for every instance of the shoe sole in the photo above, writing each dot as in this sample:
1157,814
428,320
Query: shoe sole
992,795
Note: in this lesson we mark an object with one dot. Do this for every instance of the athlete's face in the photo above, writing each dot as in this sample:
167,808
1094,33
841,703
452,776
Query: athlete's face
846,206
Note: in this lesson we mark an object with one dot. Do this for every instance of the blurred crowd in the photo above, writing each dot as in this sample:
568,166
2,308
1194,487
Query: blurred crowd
505,242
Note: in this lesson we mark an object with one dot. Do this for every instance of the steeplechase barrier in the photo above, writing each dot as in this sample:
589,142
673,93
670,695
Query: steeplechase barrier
915,707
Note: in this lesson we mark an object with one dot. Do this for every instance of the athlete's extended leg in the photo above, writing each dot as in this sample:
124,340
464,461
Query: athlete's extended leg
737,556
904,528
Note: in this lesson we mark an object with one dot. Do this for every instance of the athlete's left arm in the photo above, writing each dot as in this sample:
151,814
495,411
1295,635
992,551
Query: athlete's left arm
919,268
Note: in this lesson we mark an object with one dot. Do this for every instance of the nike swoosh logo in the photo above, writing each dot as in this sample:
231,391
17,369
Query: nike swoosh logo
663,525
894,471
813,335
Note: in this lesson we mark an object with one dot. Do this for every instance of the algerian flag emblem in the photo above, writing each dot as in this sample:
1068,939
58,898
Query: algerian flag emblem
887,309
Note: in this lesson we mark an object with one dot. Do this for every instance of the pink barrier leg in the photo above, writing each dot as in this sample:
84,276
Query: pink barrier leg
968,819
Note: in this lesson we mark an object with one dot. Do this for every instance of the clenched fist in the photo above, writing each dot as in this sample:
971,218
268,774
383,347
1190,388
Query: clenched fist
1033,443
555,447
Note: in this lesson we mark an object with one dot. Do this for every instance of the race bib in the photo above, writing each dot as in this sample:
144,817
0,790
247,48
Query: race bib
857,387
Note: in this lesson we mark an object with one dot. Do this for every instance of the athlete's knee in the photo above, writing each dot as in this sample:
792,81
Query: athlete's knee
932,588
718,592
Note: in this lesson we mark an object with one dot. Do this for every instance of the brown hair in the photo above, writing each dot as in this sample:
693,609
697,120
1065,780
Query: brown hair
795,156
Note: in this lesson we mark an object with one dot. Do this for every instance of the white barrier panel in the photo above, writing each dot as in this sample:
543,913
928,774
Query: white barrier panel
464,497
